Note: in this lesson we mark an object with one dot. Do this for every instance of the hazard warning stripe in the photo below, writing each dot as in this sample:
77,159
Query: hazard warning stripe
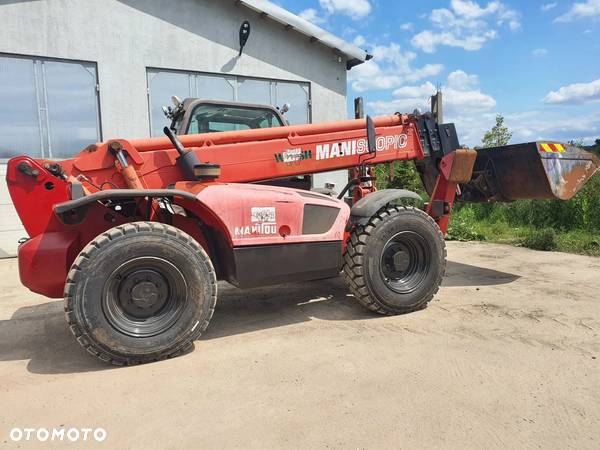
552,148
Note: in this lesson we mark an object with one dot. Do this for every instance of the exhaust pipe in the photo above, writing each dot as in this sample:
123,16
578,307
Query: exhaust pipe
536,170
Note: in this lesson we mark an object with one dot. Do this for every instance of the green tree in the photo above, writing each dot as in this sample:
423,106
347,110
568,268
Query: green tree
576,143
399,175
595,147
499,134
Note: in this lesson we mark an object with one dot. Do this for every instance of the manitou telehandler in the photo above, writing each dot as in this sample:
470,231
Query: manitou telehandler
135,233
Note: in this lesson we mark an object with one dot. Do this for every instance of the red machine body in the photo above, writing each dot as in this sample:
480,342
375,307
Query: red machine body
241,214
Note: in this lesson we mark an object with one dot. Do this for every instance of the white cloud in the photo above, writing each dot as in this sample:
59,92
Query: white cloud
462,81
312,15
420,94
428,41
587,9
528,126
472,100
511,18
389,69
553,125
461,93
471,10
575,93
464,104
355,9
474,112
548,6
408,26
359,41
539,52
466,25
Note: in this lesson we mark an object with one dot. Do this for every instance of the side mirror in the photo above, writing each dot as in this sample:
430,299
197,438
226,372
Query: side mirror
371,135
285,108
176,101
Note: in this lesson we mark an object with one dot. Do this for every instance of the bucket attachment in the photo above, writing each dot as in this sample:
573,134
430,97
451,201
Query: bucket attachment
537,170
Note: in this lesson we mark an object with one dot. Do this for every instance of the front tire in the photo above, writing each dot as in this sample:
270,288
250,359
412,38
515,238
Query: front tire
140,292
395,264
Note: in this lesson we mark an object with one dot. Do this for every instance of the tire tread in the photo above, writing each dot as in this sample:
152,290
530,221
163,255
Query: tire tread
88,253
353,268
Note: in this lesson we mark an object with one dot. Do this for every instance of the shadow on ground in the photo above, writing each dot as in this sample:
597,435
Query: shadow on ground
39,333
243,311
459,274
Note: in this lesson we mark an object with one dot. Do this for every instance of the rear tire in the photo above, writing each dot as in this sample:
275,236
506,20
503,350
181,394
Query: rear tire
395,264
140,292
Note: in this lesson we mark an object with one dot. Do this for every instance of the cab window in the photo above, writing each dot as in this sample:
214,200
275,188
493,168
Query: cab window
210,118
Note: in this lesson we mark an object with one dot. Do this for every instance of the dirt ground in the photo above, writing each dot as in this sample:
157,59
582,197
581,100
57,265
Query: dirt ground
507,355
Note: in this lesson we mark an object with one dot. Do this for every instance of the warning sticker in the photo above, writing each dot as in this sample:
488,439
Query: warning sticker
263,214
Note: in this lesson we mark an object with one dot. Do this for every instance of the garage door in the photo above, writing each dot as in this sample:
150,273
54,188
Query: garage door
49,110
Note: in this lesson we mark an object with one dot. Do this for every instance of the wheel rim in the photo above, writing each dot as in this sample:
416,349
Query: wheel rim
144,296
405,262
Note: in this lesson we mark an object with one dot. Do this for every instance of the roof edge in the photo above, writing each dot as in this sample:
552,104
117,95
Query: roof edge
354,55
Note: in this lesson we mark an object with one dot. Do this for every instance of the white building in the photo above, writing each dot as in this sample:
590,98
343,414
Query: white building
73,72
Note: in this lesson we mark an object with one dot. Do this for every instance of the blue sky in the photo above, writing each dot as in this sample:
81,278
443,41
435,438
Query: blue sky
535,62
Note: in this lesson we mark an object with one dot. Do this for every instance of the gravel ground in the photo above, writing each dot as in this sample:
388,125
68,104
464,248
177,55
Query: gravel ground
507,355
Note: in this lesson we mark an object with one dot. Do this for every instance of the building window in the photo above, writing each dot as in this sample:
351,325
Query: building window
49,108
162,84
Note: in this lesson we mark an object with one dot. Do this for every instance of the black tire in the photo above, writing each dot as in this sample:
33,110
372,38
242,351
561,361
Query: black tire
395,263
140,292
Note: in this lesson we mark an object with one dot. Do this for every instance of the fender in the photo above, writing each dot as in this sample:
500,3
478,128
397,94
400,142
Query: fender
61,209
367,206
79,220
74,212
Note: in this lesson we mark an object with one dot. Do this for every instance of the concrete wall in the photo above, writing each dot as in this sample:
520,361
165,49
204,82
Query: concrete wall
124,37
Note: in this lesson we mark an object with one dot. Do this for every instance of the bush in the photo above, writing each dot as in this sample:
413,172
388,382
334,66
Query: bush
579,242
580,213
463,231
462,226
544,239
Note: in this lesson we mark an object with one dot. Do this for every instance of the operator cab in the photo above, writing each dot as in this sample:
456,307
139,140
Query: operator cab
197,116
194,116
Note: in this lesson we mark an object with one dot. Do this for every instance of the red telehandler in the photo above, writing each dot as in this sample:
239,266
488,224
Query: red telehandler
135,233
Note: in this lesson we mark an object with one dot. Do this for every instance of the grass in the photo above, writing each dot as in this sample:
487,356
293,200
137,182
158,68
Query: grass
465,226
